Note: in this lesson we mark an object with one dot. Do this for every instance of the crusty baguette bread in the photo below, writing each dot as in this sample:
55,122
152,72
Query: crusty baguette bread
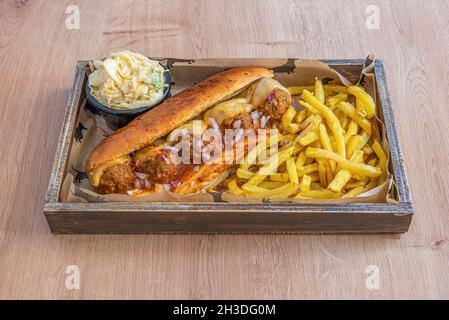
173,112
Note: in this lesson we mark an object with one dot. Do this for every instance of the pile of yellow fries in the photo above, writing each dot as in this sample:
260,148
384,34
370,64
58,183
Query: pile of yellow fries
328,149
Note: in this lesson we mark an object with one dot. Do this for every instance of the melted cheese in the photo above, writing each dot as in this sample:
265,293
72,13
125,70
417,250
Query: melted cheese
95,174
227,110
262,89
188,127
147,152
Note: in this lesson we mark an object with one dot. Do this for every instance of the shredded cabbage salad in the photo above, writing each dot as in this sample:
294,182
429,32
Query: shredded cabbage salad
127,80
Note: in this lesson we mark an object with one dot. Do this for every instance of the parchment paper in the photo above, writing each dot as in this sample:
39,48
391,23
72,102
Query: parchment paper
92,128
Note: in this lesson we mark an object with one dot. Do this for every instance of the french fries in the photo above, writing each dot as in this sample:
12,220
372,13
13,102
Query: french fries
343,176
329,149
350,111
331,120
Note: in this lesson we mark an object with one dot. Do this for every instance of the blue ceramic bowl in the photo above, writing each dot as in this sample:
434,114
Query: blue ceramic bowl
119,118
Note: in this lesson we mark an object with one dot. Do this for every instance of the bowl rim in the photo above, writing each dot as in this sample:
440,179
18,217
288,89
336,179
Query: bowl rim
98,105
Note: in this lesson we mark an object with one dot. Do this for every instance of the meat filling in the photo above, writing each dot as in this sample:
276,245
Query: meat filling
116,179
242,120
161,167
276,104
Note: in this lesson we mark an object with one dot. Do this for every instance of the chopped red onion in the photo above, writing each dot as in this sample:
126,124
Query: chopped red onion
147,184
237,124
238,135
167,186
196,168
263,121
214,123
175,183
206,157
271,96
166,158
228,139
141,175
255,115
137,184
171,149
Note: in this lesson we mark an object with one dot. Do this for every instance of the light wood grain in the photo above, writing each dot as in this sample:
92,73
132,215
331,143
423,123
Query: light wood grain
37,59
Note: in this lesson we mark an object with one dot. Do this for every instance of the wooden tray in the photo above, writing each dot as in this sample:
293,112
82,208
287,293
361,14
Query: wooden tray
116,217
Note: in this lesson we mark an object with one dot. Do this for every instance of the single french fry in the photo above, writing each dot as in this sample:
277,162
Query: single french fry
308,169
359,108
324,138
300,116
362,181
308,107
331,121
361,189
356,168
353,128
262,193
326,143
271,184
292,172
319,91
322,173
306,180
292,128
336,88
319,194
244,174
329,174
234,188
287,117
344,123
333,100
368,150
309,138
350,111
354,192
382,160
280,177
314,176
300,160
366,101
297,90
354,144
372,162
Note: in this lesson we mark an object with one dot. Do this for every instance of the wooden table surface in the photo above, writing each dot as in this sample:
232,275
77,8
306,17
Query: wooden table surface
37,58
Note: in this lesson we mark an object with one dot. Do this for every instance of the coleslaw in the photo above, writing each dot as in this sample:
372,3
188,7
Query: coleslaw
127,80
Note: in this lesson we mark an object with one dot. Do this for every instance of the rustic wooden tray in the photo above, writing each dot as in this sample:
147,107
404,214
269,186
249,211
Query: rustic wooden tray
116,217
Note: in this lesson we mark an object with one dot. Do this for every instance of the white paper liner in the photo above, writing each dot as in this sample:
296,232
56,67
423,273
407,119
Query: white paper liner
92,128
